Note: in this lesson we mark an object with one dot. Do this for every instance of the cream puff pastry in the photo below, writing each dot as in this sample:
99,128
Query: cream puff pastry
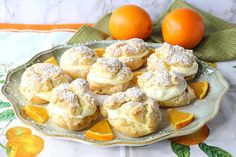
132,113
38,81
178,59
132,52
109,75
169,88
77,61
73,106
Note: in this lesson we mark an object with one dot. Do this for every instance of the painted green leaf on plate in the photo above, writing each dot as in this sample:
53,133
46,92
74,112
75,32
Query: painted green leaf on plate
7,115
4,104
213,151
180,150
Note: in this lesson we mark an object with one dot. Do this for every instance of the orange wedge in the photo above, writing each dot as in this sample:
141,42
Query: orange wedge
180,119
52,60
200,89
136,74
193,139
17,131
24,146
99,51
100,132
38,114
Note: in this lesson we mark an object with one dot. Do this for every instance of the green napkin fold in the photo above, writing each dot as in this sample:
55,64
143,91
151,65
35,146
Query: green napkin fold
218,44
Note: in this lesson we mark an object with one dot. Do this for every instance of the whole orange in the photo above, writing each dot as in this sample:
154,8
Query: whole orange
130,21
183,27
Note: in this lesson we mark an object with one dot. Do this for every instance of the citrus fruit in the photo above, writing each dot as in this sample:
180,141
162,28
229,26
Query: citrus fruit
193,139
38,114
100,132
17,131
51,60
180,119
130,21
183,27
99,51
200,89
24,146
136,74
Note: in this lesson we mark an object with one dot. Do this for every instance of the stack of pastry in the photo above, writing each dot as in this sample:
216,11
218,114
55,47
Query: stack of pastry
132,111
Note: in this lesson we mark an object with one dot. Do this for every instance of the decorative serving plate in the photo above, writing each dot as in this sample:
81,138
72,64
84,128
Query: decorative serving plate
204,110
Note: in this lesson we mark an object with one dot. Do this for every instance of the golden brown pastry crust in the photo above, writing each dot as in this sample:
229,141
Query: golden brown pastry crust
181,100
108,76
77,61
132,113
38,81
74,124
107,88
73,106
132,52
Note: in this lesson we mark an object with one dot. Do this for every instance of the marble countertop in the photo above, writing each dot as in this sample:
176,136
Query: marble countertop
80,11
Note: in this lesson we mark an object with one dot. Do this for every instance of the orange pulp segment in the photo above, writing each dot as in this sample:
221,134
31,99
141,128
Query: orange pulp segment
200,89
52,60
38,114
180,119
100,132
99,51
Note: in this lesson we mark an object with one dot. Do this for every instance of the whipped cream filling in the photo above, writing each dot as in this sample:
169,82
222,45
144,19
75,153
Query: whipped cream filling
134,57
43,95
56,110
116,114
97,77
186,71
165,93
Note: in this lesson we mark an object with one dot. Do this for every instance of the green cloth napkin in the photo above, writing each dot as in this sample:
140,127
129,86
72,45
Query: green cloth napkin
218,44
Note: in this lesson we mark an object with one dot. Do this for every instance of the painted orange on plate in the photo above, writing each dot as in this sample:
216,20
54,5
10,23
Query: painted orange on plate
17,131
24,146
195,138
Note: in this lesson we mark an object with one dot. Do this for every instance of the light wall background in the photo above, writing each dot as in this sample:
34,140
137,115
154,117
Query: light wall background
89,11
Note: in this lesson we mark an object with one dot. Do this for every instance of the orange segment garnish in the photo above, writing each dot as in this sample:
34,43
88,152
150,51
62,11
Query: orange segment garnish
136,74
52,60
25,145
193,139
99,51
100,132
180,119
200,89
38,114
17,131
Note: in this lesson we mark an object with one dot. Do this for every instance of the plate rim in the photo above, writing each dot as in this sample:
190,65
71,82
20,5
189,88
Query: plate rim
110,143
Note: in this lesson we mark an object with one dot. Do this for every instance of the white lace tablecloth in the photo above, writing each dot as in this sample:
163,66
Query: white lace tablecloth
18,47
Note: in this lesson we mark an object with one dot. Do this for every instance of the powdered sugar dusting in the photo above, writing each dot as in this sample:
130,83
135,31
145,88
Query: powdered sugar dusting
44,71
79,55
130,47
110,64
160,78
176,55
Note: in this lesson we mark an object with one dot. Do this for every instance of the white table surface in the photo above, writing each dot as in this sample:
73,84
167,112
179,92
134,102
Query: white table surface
222,128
